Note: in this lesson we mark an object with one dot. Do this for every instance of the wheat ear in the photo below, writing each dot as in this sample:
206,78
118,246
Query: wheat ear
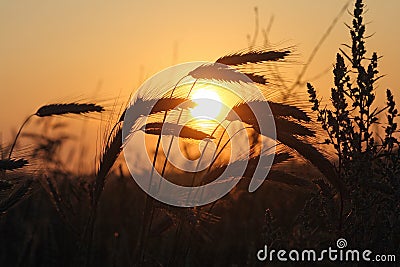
108,158
58,109
256,56
12,164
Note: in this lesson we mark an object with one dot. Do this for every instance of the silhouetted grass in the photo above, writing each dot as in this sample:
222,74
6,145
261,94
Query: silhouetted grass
51,217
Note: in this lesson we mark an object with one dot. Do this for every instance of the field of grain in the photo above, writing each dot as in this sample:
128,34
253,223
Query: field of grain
335,172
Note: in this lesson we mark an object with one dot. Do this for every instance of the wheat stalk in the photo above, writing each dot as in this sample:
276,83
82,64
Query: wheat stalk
282,124
285,130
256,56
284,110
153,106
256,78
12,164
291,127
108,158
205,147
311,154
219,72
183,131
148,205
247,109
18,133
223,147
58,109
68,108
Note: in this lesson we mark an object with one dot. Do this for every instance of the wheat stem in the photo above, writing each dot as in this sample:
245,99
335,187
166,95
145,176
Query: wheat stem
204,149
148,207
172,138
18,133
223,147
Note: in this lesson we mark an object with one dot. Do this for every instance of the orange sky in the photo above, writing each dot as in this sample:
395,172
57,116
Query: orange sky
61,50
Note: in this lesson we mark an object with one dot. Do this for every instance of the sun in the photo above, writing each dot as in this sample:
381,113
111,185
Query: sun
208,104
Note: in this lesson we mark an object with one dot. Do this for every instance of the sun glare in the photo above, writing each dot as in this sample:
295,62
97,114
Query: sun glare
209,104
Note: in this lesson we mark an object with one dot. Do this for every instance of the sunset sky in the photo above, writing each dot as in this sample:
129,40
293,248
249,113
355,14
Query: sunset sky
64,50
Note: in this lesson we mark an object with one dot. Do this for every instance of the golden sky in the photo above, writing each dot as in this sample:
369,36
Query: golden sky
62,50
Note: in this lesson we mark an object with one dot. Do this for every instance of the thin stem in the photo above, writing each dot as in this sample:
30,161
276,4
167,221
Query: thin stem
201,156
223,147
148,208
316,49
220,139
212,163
159,137
172,137
205,147
18,133
179,227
